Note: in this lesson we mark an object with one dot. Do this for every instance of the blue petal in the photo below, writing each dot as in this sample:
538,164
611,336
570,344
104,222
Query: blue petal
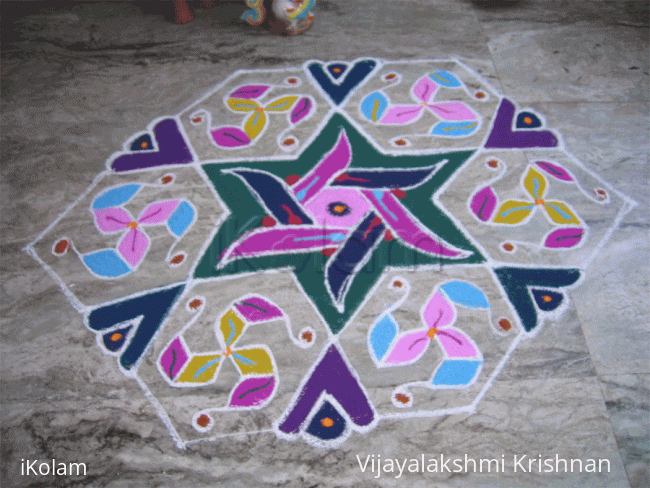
181,219
373,106
454,129
456,372
446,79
106,263
116,196
381,336
465,294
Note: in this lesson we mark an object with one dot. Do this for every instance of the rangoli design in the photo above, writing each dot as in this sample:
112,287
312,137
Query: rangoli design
306,252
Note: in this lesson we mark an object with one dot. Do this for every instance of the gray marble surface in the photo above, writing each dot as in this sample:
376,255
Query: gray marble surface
78,79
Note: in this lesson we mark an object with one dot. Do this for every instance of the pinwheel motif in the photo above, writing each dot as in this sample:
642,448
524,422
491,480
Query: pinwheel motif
243,100
462,360
457,118
255,363
341,211
518,211
111,217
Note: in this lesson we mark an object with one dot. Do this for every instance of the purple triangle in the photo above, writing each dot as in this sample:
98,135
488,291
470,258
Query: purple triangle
333,376
502,135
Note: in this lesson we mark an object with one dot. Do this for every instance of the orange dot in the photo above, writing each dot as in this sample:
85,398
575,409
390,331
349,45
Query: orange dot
400,142
432,332
307,336
203,421
327,422
505,324
339,208
288,142
508,247
196,303
292,80
402,398
391,76
480,95
397,284
196,120
337,70
132,225
493,163
178,259
539,202
528,120
546,298
116,337
144,144
166,179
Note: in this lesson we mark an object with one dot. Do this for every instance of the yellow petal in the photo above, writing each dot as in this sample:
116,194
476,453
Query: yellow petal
253,360
535,184
254,124
200,369
561,213
231,326
513,212
242,105
281,104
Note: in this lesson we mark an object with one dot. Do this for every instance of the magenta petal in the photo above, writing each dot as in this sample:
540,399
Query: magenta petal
456,344
408,229
452,111
438,312
249,91
158,212
424,89
334,161
257,309
401,114
230,137
564,237
264,242
483,203
253,392
133,246
554,170
112,219
301,110
408,348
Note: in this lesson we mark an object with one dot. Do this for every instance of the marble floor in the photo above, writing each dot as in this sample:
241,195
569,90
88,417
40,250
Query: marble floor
79,78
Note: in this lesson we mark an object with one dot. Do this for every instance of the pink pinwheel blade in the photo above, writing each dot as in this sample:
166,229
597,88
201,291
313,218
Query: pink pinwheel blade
336,160
158,212
112,219
424,89
456,344
134,246
409,348
452,111
401,114
249,91
438,312
408,229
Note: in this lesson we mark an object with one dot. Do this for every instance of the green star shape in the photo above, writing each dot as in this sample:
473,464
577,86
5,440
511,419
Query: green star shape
247,213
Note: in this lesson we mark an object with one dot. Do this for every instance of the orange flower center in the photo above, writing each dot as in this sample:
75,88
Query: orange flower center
432,332
259,109
132,225
539,202
227,352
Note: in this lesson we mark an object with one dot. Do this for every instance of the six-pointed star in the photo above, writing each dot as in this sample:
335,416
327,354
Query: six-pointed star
336,216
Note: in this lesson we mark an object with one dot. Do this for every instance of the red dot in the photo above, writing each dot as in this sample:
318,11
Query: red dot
167,179
61,247
196,303
328,251
268,221
400,142
307,336
178,259
493,163
203,421
388,235
399,193
288,142
508,247
397,284
402,398
196,120
505,324
292,179
292,80
480,95
390,76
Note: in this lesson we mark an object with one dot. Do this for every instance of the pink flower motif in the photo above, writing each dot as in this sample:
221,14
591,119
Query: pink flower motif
134,243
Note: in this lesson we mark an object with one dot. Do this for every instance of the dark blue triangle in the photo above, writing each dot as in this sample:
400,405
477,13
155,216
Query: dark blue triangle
327,424
351,78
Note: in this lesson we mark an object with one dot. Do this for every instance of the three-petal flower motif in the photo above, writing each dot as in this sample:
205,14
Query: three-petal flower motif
341,211
457,118
518,211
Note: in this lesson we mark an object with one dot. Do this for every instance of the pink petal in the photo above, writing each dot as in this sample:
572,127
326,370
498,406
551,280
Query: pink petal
249,91
456,344
438,312
230,137
112,219
554,170
401,114
424,89
133,246
409,348
158,212
483,203
564,238
452,111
